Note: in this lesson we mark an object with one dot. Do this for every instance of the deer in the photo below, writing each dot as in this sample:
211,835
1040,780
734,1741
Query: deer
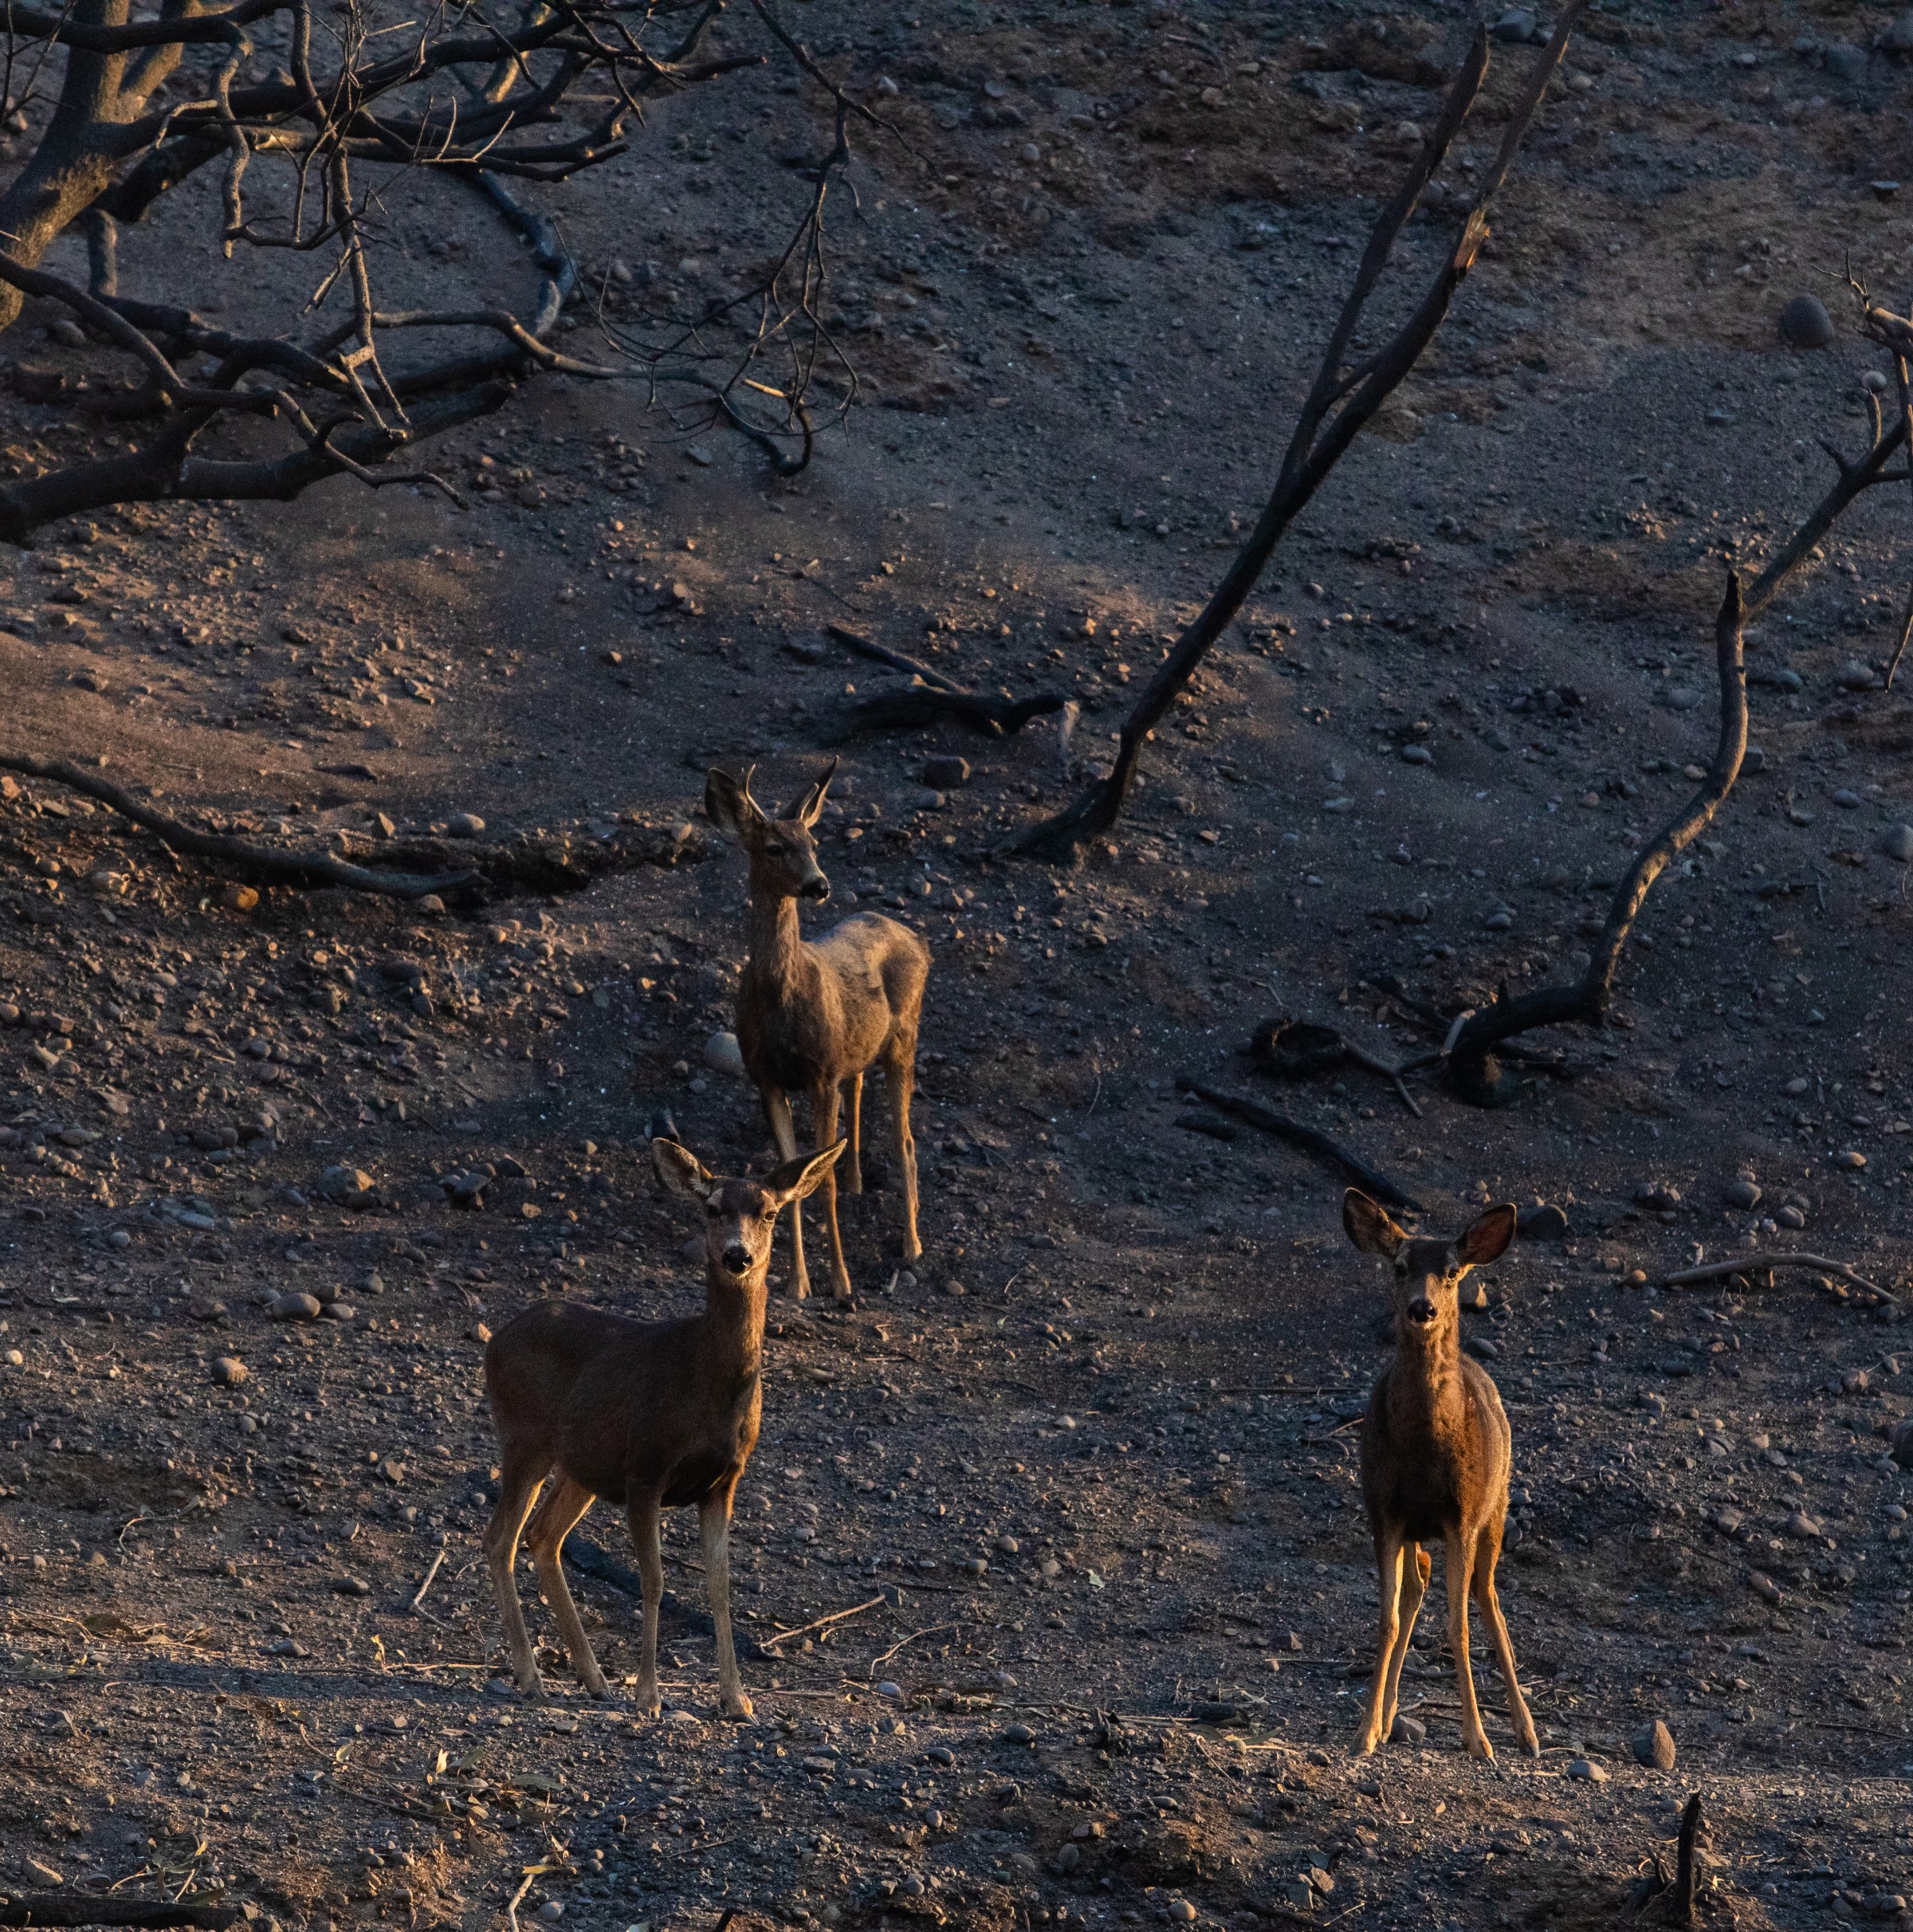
1436,1454
814,1016
651,1415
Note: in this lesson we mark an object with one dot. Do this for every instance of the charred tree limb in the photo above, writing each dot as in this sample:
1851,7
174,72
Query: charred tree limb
1765,1263
1473,1069
1341,404
1299,1134
933,697
68,1908
238,856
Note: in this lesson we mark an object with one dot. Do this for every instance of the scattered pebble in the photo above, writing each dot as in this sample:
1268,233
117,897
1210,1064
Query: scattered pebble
1654,1746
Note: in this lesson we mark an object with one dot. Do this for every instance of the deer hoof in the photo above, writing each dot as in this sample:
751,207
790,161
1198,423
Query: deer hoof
736,1705
1478,1745
646,1703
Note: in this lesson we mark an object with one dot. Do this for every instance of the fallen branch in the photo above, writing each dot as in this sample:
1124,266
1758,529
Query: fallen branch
1766,1263
1299,1135
1299,1049
1342,401
933,696
778,1637
76,1909
425,1587
238,855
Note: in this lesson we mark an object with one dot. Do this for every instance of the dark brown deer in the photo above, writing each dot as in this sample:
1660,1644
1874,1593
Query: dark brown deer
1435,1457
652,1415
813,1016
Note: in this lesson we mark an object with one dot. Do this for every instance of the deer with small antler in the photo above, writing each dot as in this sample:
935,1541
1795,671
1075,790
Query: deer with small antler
1436,1458
813,1016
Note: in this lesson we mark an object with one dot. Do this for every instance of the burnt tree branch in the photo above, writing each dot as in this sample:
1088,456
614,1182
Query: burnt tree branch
1473,1070
1340,403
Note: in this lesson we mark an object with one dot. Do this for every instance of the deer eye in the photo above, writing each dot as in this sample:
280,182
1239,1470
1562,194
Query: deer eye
775,848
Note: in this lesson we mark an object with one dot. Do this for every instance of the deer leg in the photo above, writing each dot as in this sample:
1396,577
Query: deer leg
1388,1563
517,1492
1414,1587
899,1080
565,1506
714,1525
824,1105
643,1512
1460,1570
1487,1553
777,1111
854,1153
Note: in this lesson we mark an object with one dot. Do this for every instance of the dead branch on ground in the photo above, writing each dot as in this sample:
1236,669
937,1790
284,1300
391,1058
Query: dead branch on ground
1766,1261
1342,401
1300,1049
148,1914
931,697
464,870
1299,1134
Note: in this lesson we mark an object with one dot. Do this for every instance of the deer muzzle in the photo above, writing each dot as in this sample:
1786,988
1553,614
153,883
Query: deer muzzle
738,1258
1421,1311
816,887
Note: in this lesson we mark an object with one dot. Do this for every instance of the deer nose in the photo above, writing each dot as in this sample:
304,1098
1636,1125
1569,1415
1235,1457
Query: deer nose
1421,1311
738,1258
816,887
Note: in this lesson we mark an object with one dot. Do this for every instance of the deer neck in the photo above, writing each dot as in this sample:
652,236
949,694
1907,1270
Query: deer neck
733,1319
775,942
1428,1379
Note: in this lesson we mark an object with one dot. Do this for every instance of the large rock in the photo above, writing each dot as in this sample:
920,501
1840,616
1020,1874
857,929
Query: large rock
1654,1747
1805,325
722,1055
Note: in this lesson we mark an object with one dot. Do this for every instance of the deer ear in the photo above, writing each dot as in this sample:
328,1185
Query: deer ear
730,805
802,1174
681,1170
1486,1238
1369,1226
810,807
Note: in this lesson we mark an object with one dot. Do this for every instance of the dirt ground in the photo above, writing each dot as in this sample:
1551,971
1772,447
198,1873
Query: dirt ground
1083,1481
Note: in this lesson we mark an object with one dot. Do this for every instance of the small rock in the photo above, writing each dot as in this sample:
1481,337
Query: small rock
723,1055
1851,1158
1897,842
1181,1911
1018,1734
1416,755
464,825
1845,62
1068,1858
1800,1525
1901,1448
550,1912
229,1371
1542,1222
1764,1586
287,1647
890,1688
294,1306
345,1184
481,1333
1847,801
1518,26
946,772
1654,1747
1587,1770
1854,676
43,1873
1805,325
1407,1730
339,1311
1898,39
1741,1193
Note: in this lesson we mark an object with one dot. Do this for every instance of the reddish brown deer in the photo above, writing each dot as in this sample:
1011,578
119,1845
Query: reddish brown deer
652,1415
1435,1457
814,1016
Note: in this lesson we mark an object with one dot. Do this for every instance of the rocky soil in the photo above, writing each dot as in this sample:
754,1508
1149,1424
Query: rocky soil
1079,1491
